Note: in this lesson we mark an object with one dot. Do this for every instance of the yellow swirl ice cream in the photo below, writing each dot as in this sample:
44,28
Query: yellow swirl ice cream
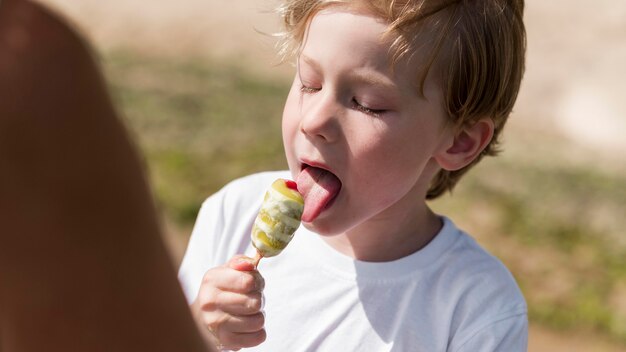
278,218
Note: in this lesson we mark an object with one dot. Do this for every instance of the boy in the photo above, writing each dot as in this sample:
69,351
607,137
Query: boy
391,103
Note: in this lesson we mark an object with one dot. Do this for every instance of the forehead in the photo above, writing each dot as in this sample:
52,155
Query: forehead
339,31
339,34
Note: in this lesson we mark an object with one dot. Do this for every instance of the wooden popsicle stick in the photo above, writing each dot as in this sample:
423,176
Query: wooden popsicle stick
256,259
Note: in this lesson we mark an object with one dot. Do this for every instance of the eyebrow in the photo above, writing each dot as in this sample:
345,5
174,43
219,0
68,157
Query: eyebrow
361,77
310,62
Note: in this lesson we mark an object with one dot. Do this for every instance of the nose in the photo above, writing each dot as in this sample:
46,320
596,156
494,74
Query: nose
320,116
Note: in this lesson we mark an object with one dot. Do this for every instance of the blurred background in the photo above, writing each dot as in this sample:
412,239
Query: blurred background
201,90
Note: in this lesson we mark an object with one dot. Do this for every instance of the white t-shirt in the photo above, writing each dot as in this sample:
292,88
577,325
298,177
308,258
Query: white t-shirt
449,296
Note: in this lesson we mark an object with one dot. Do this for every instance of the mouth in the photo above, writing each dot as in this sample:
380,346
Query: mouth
319,187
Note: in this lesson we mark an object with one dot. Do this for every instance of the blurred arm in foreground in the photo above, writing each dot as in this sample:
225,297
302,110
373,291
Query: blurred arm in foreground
82,266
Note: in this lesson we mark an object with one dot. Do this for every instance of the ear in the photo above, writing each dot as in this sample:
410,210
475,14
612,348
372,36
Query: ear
467,145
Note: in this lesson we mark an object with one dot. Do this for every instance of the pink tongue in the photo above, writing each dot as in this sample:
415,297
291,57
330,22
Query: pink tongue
318,187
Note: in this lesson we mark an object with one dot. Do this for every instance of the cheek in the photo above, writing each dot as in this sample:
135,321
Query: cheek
290,123
289,129
291,112
395,164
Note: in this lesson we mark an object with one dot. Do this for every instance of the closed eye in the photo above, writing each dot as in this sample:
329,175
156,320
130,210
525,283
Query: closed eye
308,90
366,110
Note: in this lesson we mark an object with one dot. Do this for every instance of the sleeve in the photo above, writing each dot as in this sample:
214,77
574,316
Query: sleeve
507,334
201,254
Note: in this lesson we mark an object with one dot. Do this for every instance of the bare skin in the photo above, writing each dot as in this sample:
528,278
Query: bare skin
82,265
229,304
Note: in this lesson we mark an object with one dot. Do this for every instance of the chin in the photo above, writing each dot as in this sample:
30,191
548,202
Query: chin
322,227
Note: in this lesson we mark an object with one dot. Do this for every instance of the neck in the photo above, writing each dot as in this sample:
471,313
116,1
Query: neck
387,238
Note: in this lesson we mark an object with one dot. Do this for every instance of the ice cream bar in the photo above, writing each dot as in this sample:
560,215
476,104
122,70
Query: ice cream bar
278,218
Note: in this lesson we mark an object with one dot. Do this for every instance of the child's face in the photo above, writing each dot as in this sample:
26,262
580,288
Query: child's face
367,126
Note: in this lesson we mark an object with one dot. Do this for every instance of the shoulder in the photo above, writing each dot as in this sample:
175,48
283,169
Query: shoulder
481,271
485,279
483,290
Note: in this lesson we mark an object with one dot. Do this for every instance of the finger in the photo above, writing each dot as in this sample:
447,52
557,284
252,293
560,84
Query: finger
228,279
243,323
241,263
238,340
234,332
239,304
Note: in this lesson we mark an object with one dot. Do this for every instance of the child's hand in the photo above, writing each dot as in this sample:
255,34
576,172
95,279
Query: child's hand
229,304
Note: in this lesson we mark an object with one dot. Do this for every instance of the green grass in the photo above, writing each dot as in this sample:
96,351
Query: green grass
199,124
558,227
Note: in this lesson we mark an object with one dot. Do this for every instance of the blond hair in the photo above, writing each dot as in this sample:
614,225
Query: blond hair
478,52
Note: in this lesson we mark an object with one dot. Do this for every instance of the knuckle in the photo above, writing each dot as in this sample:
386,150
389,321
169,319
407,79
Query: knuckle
255,303
213,326
255,338
257,321
262,336
259,282
231,341
236,341
208,306
210,300
208,277
248,282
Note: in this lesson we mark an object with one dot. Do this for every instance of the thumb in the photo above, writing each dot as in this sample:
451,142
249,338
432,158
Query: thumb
241,263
